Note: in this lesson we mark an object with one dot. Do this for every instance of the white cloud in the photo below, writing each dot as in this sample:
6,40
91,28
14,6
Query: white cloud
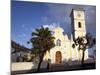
23,25
22,35
45,19
51,26
32,29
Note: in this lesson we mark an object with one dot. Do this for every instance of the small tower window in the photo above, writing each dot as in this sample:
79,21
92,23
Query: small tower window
79,24
58,42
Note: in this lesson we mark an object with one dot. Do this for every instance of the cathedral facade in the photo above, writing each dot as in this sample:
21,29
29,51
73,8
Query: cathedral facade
63,50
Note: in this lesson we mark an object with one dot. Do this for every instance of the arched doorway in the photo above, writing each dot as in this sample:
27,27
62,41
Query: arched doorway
58,57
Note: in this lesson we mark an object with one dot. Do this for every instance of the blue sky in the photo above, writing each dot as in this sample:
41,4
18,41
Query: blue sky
27,16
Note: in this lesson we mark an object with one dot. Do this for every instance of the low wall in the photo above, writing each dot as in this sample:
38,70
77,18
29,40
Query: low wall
18,66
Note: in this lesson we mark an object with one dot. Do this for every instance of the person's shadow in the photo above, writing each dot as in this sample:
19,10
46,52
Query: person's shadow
48,64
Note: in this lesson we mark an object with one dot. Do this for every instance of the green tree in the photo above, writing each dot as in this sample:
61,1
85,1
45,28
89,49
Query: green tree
84,43
42,41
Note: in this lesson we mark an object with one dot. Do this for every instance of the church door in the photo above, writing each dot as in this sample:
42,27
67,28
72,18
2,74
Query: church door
58,57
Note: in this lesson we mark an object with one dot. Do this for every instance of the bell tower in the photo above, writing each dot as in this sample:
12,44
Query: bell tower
78,23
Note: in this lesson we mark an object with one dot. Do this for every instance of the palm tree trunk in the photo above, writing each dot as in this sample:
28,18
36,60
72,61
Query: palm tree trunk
41,59
82,63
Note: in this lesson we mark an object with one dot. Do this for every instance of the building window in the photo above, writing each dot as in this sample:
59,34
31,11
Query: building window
79,24
58,42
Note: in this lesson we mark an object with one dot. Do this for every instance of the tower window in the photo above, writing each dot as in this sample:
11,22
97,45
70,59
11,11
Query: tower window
79,24
58,42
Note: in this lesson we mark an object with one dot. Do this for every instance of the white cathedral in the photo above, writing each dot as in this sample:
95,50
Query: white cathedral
63,50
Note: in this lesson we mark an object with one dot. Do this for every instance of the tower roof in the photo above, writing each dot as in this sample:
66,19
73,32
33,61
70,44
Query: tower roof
78,9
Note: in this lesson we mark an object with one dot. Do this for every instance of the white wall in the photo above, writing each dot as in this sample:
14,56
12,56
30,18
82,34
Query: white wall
22,66
18,66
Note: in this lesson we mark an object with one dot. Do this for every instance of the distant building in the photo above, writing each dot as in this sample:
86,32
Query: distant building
18,52
63,51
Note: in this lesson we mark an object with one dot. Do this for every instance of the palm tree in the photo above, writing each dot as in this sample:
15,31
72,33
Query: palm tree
83,43
42,41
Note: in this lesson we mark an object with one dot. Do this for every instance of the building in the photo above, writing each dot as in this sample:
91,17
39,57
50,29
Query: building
19,52
63,51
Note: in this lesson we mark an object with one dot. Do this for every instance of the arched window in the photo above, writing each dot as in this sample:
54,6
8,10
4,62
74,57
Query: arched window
79,24
58,42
